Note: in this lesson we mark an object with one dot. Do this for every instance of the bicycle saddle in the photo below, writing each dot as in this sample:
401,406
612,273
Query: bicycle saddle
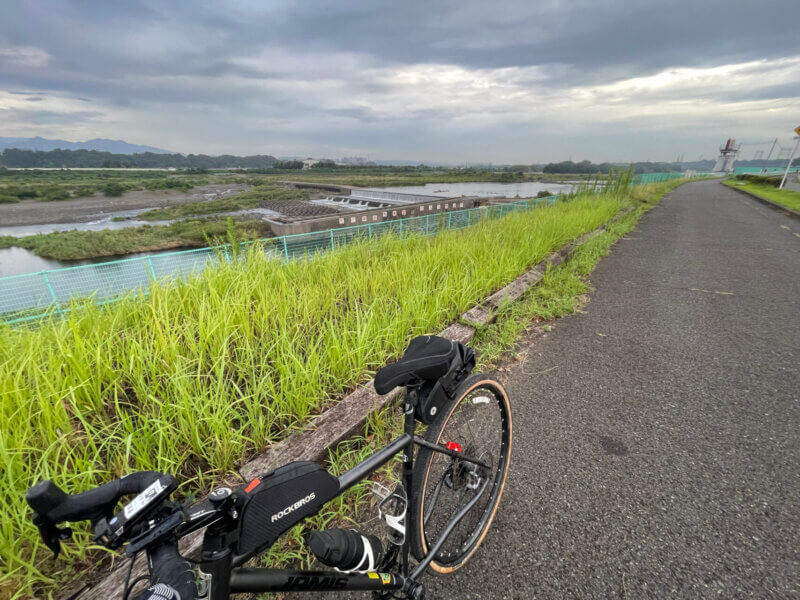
428,357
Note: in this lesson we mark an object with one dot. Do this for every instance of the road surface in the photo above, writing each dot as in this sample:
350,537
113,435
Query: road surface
656,449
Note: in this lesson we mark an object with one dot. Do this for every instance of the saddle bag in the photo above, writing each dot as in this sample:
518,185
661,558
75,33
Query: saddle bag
278,500
435,394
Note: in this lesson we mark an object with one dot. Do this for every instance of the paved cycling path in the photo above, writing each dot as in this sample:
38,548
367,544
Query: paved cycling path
656,450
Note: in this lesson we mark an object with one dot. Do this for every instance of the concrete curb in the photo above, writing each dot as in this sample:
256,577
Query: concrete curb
345,418
774,205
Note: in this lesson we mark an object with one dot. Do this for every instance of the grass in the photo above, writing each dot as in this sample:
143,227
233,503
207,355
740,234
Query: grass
785,197
264,191
78,245
51,186
201,375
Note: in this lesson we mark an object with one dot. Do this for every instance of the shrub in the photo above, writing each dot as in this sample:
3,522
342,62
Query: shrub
26,193
6,199
774,181
82,191
55,195
544,194
113,189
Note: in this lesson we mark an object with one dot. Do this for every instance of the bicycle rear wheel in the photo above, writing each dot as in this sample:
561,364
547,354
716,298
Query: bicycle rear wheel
479,421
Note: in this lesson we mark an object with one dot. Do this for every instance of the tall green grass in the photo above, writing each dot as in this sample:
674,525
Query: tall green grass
201,375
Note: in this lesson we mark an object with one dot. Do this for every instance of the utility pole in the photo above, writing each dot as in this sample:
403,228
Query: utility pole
791,157
771,149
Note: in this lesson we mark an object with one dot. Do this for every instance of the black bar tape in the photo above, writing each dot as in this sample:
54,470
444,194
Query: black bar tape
48,500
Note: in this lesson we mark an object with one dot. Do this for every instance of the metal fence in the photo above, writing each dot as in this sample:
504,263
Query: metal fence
34,295
31,296
763,170
656,177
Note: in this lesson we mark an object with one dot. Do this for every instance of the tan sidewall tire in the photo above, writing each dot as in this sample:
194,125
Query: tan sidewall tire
442,569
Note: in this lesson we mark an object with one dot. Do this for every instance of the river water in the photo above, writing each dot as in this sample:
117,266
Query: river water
523,189
18,261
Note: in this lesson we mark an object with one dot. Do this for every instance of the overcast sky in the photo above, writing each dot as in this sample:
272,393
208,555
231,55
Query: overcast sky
496,81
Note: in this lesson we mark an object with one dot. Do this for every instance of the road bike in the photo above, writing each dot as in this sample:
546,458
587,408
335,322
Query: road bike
449,492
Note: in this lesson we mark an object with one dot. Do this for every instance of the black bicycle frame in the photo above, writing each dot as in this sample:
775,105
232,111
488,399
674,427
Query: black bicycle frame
226,577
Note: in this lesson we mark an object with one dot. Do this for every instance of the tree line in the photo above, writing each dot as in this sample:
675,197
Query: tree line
16,158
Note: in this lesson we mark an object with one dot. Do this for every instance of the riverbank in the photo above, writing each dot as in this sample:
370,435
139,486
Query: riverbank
81,245
89,208
262,195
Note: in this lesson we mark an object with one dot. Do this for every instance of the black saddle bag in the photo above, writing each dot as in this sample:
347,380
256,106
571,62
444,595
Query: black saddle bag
278,500
435,395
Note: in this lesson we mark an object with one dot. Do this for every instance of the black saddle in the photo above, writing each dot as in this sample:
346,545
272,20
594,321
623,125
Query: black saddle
427,358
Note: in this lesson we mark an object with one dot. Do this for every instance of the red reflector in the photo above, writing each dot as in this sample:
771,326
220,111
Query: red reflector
252,485
454,446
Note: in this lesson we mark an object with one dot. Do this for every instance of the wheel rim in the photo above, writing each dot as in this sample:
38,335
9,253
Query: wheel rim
481,425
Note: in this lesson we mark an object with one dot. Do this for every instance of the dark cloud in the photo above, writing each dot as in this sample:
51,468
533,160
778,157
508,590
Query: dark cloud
48,117
320,68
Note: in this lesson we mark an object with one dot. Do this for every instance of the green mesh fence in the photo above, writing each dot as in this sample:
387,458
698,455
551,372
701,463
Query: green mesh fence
765,170
25,298
656,177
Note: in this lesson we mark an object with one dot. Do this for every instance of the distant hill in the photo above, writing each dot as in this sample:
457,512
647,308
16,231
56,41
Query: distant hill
95,159
103,145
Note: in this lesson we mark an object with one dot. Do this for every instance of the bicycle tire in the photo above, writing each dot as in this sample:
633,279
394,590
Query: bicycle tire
431,468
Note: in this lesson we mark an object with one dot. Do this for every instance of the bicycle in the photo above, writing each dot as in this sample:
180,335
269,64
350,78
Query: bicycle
449,494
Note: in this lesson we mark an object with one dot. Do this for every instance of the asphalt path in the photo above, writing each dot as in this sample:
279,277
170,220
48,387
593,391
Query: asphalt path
656,432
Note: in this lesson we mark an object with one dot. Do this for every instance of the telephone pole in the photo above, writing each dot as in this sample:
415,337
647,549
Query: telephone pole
791,157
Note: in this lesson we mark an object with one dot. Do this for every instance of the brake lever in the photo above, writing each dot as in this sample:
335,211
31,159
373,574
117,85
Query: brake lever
50,534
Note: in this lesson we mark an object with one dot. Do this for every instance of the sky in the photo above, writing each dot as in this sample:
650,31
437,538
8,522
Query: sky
450,81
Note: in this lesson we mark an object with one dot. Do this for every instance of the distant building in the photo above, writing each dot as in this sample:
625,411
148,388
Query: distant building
727,156
309,162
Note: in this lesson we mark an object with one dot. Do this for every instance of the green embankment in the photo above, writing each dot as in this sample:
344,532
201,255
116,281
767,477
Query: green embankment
77,245
201,375
788,198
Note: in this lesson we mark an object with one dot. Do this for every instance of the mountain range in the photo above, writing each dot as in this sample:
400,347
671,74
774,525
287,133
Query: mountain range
103,145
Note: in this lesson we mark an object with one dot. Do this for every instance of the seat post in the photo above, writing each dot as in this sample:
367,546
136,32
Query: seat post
412,395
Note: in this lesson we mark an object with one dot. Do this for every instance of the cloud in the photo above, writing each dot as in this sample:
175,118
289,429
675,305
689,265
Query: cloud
439,80
23,57
47,117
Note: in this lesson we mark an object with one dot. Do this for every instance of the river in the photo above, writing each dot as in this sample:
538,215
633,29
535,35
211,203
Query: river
523,189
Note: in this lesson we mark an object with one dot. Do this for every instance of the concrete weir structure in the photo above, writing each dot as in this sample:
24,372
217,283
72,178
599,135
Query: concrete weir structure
361,207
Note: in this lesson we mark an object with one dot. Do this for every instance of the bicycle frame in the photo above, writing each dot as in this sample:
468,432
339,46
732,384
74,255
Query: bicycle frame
220,568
